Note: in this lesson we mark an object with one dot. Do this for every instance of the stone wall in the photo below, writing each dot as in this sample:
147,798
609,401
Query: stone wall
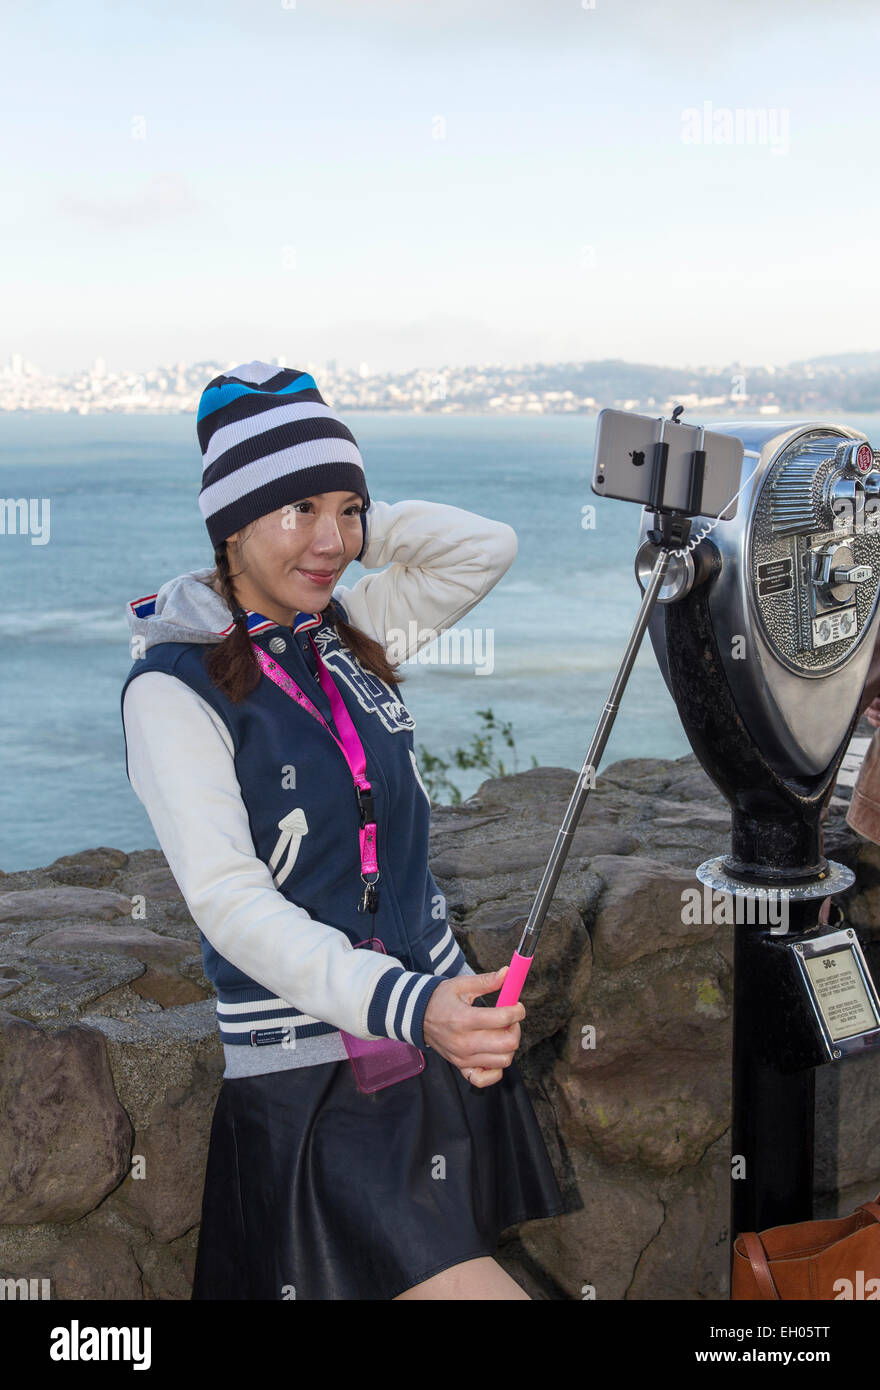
110,1060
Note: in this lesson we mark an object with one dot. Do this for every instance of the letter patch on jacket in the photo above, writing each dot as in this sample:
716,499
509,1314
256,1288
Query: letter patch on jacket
373,695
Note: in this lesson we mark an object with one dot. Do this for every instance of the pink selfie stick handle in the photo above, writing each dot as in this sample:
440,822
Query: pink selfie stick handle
513,980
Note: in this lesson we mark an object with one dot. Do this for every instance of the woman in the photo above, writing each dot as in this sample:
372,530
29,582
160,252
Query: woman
244,678
864,809
863,814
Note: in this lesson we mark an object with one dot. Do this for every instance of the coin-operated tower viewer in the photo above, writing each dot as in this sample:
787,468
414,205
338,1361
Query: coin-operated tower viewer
764,633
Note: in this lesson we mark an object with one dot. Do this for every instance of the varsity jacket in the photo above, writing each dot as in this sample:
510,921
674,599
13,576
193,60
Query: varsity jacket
254,805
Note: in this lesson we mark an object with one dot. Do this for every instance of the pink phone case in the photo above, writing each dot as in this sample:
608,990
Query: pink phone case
380,1062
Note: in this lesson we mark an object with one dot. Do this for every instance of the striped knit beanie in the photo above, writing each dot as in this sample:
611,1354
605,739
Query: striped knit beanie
267,439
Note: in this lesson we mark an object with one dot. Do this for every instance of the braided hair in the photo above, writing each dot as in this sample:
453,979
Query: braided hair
232,664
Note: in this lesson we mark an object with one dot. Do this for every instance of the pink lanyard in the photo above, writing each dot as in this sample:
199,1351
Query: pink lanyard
352,751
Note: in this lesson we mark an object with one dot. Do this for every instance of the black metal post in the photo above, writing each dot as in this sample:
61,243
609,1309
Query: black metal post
772,1122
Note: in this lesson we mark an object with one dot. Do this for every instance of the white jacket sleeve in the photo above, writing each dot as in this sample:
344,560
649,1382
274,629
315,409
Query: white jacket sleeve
180,764
444,560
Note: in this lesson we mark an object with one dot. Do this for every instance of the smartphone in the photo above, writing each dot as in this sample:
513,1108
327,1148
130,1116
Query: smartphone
624,454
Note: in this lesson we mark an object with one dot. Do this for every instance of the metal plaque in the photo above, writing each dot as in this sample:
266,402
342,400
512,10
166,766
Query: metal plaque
842,994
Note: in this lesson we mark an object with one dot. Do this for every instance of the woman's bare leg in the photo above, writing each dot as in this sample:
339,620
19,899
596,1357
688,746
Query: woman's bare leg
480,1278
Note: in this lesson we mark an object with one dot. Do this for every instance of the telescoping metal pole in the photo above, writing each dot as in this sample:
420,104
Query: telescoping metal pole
524,953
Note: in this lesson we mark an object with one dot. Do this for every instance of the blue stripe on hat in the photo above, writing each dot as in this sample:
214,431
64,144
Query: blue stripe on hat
217,397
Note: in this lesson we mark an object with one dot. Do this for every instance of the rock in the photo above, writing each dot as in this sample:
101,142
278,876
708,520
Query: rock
152,1052
594,1252
167,1067
167,1271
78,959
91,868
128,939
123,1002
168,1157
104,858
521,793
92,1259
695,1220
525,855
11,979
846,1108
672,1000
168,989
163,899
661,1111
57,985
94,1264
641,910
162,954
636,774
65,1139
43,904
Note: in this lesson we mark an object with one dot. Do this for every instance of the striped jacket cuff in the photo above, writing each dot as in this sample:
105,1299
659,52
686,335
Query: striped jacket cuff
397,1009
447,957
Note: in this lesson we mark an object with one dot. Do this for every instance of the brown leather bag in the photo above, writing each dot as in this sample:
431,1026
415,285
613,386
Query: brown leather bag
811,1259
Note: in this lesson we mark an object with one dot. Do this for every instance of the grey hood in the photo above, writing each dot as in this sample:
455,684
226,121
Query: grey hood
185,609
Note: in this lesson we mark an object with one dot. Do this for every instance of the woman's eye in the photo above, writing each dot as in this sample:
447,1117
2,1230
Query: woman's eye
355,507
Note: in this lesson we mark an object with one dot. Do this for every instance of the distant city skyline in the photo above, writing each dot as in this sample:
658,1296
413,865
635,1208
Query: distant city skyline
102,365
849,381
425,186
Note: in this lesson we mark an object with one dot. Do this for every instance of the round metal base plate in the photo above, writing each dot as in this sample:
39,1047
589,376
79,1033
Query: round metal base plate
837,879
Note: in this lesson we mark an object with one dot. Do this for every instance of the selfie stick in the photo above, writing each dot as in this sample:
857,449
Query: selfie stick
671,529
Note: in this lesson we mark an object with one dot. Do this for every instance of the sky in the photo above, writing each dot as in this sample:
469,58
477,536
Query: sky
404,183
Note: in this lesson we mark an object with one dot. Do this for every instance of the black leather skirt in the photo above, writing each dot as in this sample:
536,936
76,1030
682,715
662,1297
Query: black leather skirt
314,1190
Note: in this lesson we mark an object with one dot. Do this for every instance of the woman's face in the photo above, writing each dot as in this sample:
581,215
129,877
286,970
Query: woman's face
272,560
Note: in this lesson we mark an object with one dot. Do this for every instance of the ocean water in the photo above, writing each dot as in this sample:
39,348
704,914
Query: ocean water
124,518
